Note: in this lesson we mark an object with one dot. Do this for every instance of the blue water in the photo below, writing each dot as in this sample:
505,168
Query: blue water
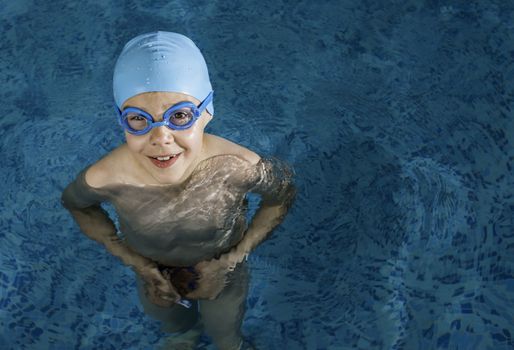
396,115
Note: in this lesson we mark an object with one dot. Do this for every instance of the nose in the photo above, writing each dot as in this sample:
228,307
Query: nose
161,136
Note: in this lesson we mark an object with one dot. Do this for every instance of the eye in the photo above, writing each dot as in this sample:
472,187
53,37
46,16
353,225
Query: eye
137,121
182,116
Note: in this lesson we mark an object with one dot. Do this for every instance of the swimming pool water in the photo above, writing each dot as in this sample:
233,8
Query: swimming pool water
397,117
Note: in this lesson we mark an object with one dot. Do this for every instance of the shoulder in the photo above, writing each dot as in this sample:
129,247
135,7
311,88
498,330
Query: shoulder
108,170
219,146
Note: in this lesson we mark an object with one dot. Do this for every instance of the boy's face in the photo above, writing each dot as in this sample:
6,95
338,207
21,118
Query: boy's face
162,141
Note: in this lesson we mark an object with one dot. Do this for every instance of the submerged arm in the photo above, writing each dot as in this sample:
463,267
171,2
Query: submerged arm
84,205
276,187
83,202
96,224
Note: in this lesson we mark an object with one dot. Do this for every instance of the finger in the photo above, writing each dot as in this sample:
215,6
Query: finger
168,296
167,289
169,293
163,284
160,278
159,300
155,293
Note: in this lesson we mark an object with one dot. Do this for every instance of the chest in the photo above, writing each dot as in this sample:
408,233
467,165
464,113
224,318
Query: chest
202,207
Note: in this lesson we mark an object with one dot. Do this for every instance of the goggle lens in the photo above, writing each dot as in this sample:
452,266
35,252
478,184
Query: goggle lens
182,116
137,121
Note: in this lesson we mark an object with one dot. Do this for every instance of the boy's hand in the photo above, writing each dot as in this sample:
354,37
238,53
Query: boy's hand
212,278
159,290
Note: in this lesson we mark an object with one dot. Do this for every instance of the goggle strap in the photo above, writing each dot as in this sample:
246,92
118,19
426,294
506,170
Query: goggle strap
118,111
205,102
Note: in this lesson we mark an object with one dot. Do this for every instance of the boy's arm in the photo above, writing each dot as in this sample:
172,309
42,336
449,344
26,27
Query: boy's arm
83,203
277,190
96,224
267,217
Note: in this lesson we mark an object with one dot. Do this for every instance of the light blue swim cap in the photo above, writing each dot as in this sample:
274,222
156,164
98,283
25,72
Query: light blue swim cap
161,61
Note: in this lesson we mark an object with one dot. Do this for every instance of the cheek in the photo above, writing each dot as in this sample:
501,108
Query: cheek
135,143
191,137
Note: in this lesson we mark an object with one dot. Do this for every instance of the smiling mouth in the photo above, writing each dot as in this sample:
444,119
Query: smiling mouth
164,161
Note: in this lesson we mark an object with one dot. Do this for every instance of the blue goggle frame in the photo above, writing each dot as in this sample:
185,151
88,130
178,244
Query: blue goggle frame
197,111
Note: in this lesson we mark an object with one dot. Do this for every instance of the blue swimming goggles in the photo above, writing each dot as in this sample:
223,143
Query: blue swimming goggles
178,117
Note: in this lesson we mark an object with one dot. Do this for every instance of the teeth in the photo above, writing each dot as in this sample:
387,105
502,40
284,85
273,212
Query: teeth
167,157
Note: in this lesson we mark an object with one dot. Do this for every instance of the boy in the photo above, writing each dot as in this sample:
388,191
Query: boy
179,193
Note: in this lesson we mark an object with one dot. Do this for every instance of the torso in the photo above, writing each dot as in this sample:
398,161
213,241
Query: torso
182,224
